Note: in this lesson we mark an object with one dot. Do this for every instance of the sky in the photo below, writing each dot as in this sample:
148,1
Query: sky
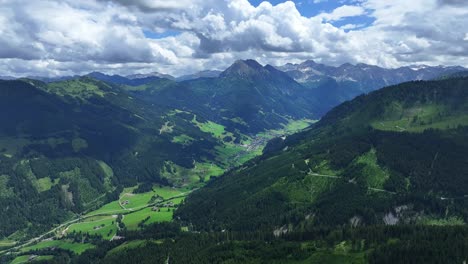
68,37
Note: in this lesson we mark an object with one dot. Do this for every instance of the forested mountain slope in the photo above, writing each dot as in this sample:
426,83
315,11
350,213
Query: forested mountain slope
397,155
65,145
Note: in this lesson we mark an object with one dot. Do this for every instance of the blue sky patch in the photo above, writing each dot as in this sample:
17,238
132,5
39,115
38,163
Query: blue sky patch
153,35
359,21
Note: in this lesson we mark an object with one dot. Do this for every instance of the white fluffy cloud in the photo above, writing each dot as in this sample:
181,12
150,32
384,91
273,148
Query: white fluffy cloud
52,37
343,12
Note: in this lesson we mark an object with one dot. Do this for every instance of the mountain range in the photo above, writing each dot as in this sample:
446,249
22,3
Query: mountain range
245,98
338,84
85,149
366,77
332,85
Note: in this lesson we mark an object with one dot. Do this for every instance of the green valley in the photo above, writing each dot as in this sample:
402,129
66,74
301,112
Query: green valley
80,144
99,171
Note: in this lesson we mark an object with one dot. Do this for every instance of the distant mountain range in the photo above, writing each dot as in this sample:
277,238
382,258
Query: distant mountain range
335,85
202,74
153,74
365,77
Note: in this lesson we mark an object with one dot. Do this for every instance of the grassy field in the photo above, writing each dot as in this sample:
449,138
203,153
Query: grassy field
227,152
136,201
372,174
109,175
190,178
418,119
77,88
103,221
110,208
451,221
206,170
217,130
132,220
44,184
128,245
297,125
6,243
21,259
305,191
105,226
291,127
25,259
77,248
182,139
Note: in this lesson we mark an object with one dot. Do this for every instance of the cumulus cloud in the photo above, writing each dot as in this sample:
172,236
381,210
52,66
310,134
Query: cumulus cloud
67,37
157,5
343,12
352,26
453,2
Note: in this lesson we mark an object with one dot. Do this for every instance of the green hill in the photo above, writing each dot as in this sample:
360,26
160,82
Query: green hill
65,145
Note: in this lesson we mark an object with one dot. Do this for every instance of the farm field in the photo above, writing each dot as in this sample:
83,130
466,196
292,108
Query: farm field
6,243
109,208
138,208
104,226
134,208
132,220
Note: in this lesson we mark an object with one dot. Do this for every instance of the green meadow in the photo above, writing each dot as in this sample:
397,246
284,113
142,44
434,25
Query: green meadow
132,220
134,207
104,226
25,259
76,248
